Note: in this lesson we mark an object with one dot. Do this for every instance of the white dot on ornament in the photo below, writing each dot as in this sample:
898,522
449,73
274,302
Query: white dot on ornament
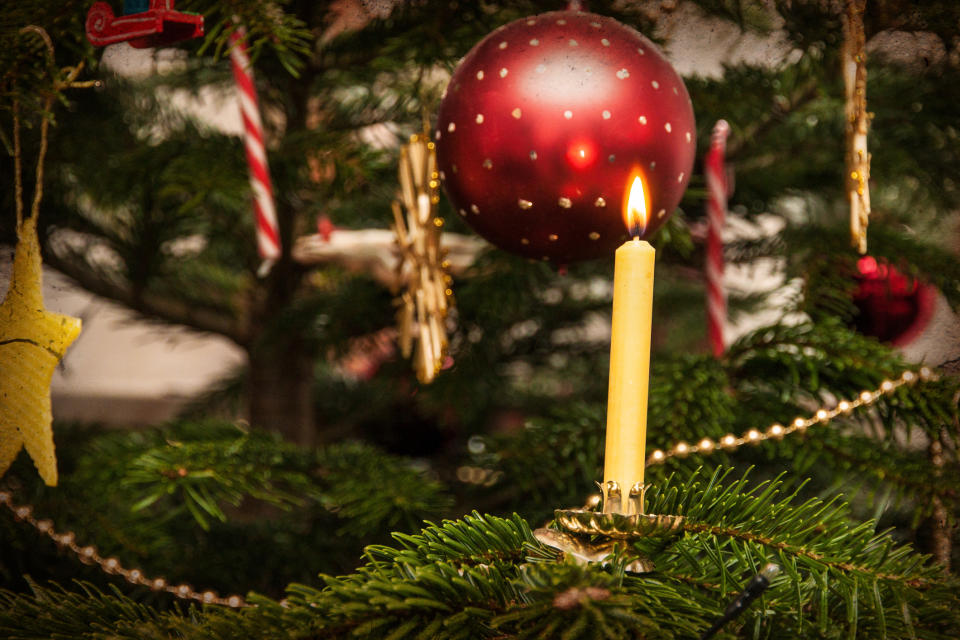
655,84
668,127
600,202
553,237
605,114
480,118
443,176
524,241
573,43
642,119
594,235
640,51
480,75
561,22
475,209
623,74
524,204
462,212
653,164
503,72
680,177
595,25
503,45
533,155
541,68
689,137
516,113
605,42
564,202
452,127
568,114
534,42
531,22
488,163
675,92
661,213
611,158
437,134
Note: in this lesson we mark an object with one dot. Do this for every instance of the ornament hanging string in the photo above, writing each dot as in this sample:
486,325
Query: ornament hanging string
857,119
265,214
717,192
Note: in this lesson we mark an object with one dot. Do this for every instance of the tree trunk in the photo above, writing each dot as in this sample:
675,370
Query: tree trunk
280,391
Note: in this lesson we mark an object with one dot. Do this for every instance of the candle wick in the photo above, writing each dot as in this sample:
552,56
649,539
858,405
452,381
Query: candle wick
635,231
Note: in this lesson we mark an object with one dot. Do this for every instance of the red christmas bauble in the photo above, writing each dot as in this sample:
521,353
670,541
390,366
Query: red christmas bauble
892,307
544,125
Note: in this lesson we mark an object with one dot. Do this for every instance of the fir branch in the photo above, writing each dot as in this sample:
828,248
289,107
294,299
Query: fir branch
160,307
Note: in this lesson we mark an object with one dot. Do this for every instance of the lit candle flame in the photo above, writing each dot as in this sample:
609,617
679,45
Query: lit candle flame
635,210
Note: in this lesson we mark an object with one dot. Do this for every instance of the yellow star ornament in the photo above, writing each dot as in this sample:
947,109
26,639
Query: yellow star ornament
32,342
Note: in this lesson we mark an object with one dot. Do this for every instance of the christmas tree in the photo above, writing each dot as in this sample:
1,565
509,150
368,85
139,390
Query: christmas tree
364,502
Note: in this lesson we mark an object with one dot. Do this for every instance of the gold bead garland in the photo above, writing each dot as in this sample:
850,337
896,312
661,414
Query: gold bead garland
89,555
777,431
729,442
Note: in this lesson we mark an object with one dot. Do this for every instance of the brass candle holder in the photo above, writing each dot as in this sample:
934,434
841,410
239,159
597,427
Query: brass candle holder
591,536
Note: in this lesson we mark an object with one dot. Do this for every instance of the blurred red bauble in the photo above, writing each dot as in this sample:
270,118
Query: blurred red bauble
892,307
544,124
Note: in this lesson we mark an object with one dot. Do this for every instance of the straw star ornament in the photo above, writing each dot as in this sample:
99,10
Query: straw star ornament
422,270
32,339
32,342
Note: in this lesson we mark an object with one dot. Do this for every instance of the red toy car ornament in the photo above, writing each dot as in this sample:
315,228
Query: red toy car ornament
157,26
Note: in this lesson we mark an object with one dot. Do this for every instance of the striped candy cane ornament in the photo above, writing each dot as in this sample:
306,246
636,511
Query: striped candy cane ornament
716,215
268,233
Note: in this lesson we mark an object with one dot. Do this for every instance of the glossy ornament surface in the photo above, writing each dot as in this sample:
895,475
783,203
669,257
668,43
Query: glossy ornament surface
544,125
892,306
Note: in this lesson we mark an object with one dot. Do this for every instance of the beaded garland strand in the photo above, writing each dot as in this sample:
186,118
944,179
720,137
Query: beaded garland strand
729,442
473,475
777,431
89,555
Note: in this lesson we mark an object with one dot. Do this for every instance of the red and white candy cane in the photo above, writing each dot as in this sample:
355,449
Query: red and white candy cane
268,233
716,179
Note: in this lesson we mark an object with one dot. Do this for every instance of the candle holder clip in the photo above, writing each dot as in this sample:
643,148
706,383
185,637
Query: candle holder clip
590,536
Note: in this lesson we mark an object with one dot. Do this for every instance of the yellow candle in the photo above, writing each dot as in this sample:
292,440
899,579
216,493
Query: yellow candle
625,454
